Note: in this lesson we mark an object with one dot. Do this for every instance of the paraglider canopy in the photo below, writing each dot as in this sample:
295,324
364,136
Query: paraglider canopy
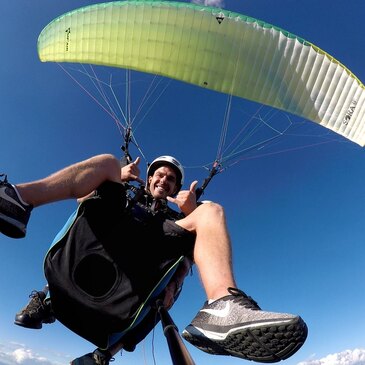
215,49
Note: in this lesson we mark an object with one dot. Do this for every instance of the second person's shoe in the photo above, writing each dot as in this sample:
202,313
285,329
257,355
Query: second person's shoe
36,312
14,212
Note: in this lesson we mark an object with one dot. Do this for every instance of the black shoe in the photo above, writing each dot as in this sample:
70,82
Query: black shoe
98,357
14,213
36,312
235,325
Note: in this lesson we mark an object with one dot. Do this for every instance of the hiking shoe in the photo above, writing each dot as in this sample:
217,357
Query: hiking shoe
14,212
98,357
36,312
235,325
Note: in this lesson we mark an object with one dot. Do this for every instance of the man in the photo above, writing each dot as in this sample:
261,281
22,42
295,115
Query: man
230,322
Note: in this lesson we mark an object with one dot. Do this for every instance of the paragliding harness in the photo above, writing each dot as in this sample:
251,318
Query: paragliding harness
97,283
100,287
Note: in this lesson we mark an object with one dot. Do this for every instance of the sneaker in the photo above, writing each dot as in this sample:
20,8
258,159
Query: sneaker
14,213
36,312
235,325
98,357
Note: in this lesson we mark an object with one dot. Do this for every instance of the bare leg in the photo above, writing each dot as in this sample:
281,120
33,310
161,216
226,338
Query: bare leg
212,251
74,181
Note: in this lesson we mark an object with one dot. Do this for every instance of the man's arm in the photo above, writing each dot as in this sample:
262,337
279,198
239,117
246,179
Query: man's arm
129,172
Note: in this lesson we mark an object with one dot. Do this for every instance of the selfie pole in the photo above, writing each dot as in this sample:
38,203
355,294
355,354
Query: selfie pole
178,351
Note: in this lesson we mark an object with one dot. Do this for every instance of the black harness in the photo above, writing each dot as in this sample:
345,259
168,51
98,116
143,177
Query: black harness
96,273
145,209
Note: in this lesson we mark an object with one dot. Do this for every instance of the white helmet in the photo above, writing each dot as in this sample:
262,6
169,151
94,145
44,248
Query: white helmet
170,161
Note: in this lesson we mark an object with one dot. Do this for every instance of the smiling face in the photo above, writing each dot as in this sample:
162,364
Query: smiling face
162,183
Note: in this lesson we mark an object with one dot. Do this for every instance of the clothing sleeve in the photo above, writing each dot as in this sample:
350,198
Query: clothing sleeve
114,194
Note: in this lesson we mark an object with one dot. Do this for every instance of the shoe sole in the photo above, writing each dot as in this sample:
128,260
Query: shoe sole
11,227
35,327
267,344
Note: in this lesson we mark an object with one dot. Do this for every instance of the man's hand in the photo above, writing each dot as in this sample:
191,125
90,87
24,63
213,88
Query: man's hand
176,283
131,172
186,199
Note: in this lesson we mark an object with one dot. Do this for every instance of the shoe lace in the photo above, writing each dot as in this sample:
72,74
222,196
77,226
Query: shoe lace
243,299
102,357
35,304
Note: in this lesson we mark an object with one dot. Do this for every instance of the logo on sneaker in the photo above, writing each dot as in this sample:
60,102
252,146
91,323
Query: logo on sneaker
223,312
4,196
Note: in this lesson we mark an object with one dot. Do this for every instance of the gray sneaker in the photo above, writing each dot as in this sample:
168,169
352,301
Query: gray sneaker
14,213
235,325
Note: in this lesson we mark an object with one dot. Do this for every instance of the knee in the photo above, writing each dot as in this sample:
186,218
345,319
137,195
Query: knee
211,210
107,161
205,215
106,166
106,158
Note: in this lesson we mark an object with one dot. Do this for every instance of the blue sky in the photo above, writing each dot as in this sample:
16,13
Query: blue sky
296,217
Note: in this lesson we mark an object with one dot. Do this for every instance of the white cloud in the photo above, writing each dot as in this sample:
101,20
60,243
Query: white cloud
218,3
347,357
26,356
18,354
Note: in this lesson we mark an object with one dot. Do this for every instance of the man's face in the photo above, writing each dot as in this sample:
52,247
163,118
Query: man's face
163,182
